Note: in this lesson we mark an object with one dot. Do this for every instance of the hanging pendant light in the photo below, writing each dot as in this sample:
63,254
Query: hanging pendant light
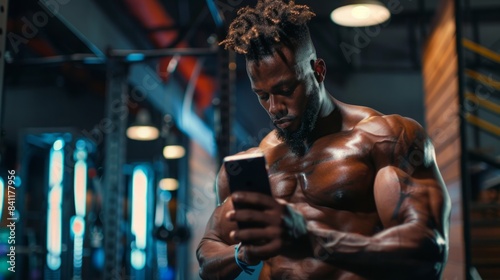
355,13
173,148
143,129
169,184
173,151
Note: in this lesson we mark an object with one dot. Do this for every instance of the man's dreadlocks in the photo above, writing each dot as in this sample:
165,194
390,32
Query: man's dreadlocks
257,31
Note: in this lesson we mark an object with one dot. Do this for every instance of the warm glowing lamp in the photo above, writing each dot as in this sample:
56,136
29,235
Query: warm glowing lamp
143,129
169,184
173,148
355,13
173,151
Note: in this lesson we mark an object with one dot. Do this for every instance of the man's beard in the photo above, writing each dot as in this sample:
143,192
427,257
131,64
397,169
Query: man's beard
295,139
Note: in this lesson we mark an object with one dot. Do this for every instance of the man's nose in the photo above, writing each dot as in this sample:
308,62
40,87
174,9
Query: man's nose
277,107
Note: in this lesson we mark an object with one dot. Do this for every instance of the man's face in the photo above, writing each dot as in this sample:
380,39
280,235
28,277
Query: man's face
286,88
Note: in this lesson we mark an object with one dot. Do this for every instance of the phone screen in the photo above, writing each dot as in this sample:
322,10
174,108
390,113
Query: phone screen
248,173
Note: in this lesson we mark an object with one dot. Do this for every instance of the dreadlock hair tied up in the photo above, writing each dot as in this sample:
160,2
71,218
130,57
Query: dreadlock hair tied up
255,32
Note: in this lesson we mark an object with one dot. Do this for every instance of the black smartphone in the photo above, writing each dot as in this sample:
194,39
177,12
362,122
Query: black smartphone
247,172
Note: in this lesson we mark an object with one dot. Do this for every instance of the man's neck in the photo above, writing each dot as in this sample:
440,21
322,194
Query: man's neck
329,120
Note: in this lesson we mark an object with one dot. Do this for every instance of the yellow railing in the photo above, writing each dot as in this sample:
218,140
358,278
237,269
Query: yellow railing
475,47
486,80
495,108
485,125
483,79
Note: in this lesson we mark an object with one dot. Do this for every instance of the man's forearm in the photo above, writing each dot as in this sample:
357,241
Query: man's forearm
404,251
216,260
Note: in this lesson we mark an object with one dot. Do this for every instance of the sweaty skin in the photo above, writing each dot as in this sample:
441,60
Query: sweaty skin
366,188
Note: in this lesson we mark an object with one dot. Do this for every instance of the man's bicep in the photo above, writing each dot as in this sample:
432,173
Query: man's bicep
222,186
402,198
218,227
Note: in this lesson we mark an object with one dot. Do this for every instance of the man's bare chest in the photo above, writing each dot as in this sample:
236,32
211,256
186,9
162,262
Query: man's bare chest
336,176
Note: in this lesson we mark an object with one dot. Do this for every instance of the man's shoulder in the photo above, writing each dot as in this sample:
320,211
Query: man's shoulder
392,126
394,138
271,140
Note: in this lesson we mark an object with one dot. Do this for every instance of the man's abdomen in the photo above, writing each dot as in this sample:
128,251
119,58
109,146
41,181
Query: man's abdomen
281,268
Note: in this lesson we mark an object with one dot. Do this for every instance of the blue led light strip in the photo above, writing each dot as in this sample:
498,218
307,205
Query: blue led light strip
54,211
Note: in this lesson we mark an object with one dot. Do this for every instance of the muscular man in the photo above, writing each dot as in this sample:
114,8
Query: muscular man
356,194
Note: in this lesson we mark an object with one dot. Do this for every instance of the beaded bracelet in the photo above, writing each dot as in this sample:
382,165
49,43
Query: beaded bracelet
248,269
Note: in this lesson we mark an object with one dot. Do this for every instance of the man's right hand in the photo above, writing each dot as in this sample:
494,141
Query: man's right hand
278,226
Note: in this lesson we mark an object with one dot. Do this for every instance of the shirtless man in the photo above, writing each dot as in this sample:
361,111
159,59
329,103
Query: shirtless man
356,194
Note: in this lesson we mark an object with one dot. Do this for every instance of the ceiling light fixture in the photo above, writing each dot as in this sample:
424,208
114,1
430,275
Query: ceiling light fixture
173,148
173,151
169,184
355,13
143,129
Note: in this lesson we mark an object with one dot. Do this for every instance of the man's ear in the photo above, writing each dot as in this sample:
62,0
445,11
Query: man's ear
319,68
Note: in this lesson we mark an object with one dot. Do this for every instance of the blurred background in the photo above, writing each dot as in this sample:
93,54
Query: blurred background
115,116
